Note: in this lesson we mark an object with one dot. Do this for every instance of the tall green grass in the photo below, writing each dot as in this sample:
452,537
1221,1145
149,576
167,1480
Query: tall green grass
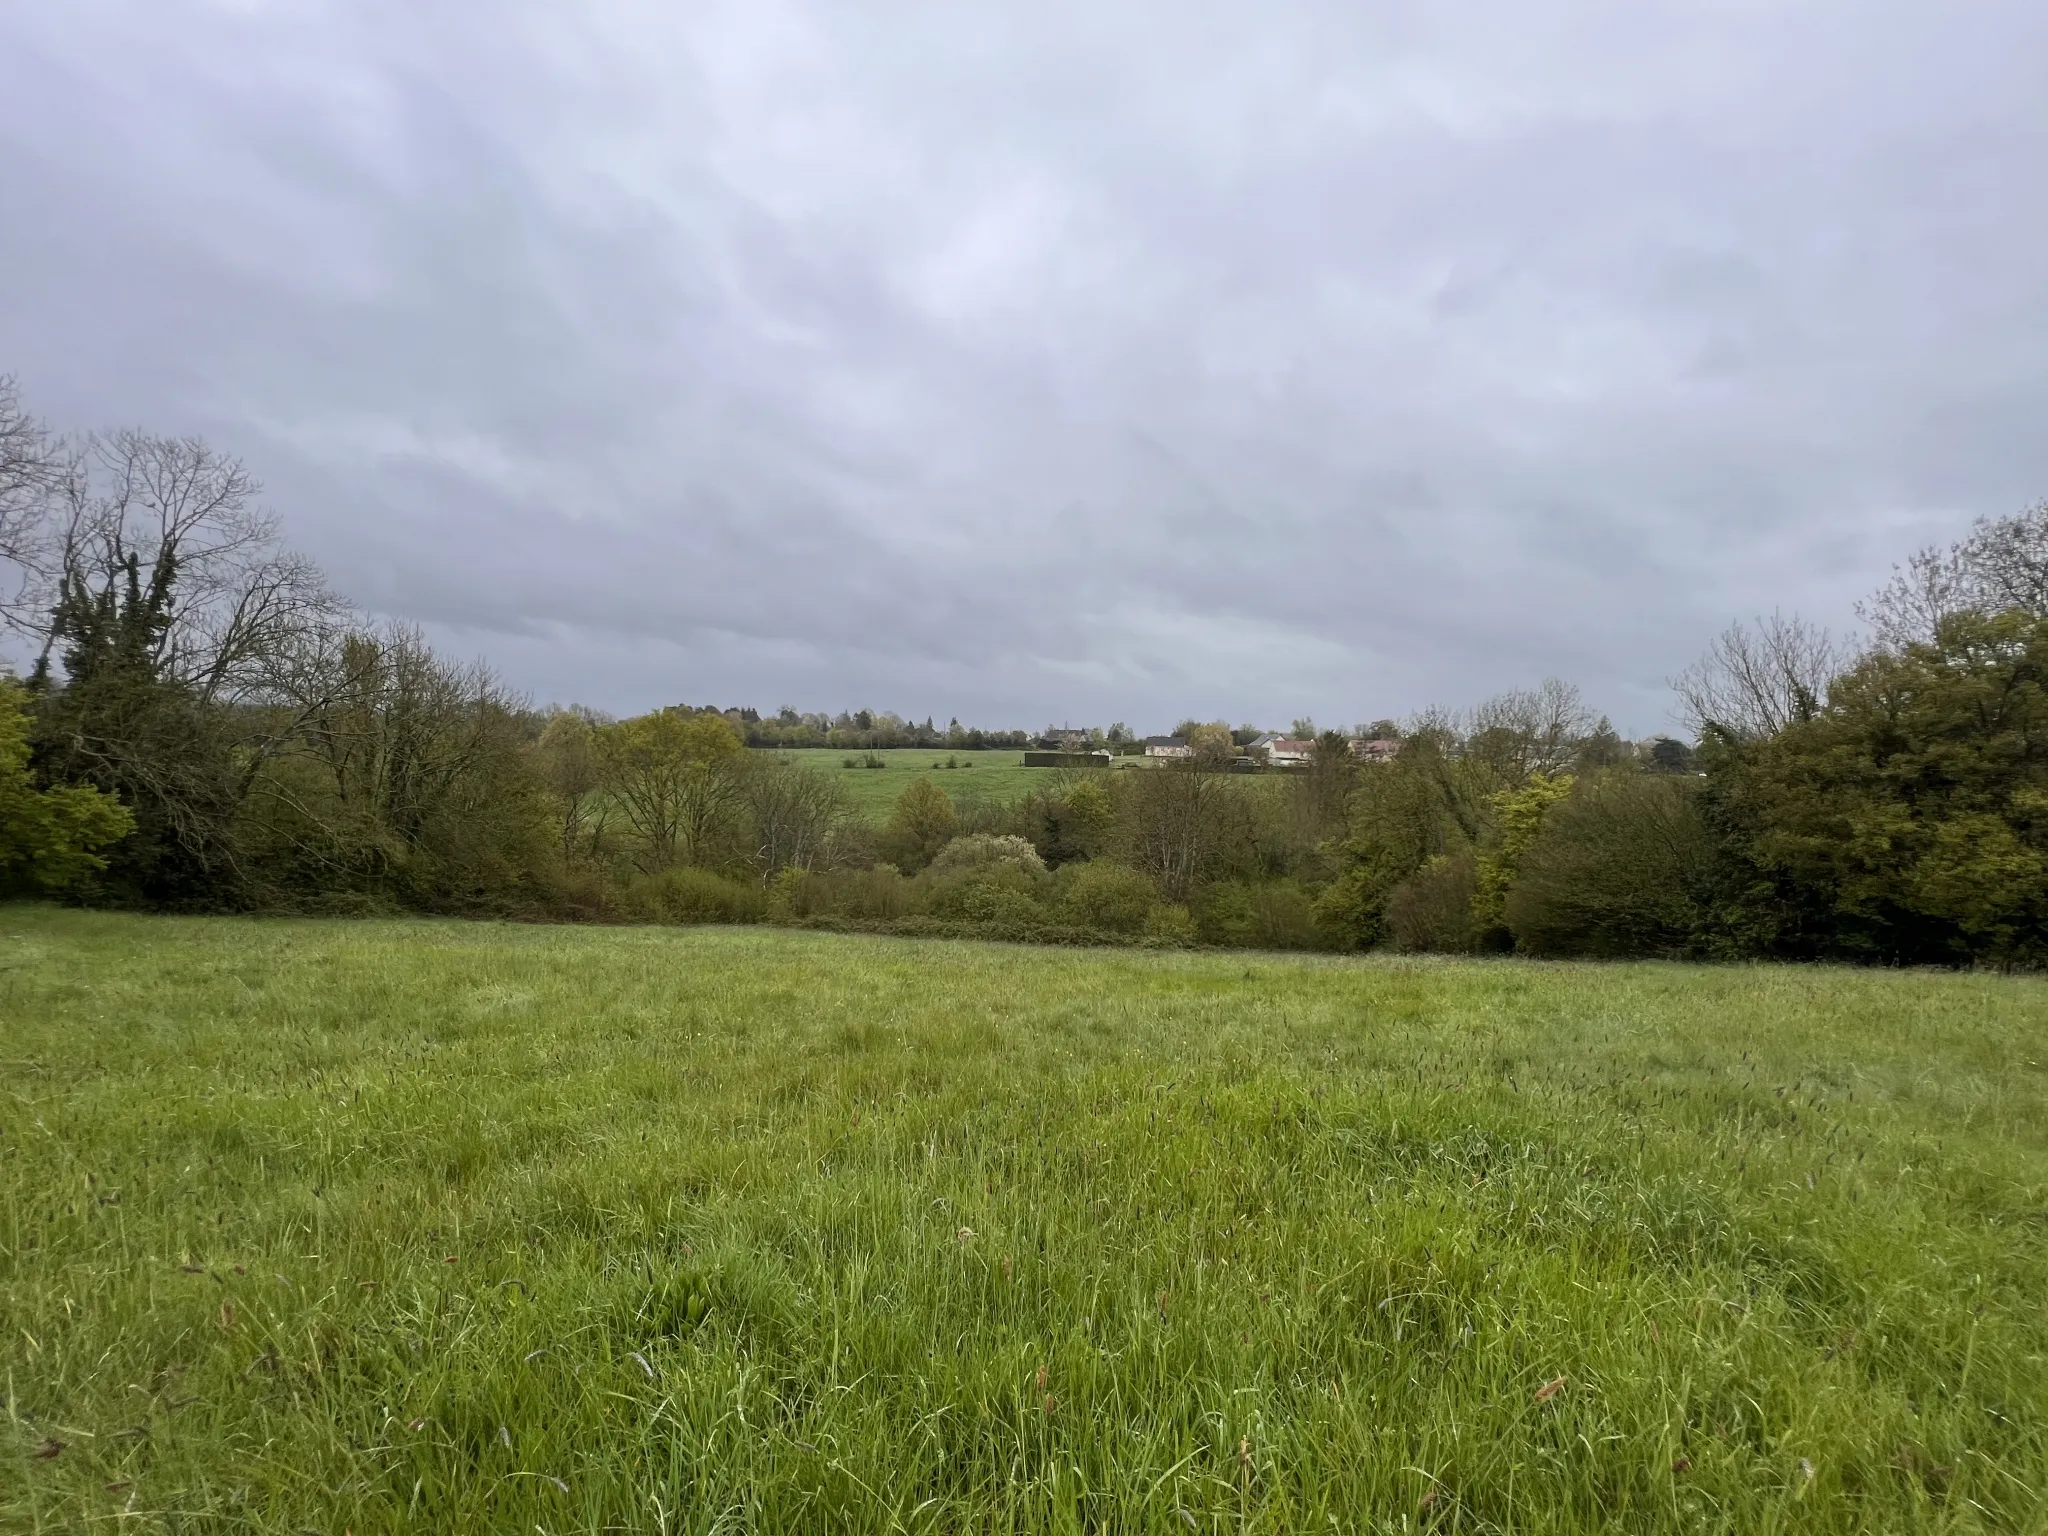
380,1226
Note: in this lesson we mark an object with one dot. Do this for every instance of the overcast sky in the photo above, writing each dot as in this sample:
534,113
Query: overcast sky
1056,362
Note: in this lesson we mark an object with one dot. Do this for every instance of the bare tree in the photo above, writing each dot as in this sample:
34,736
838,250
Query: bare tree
1529,731
2001,565
183,520
34,468
1180,820
1760,677
794,810
400,743
2010,556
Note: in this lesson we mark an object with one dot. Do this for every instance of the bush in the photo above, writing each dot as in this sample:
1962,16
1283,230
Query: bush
881,892
695,896
980,851
965,895
1108,896
1615,871
1432,913
1261,914
1001,905
1169,924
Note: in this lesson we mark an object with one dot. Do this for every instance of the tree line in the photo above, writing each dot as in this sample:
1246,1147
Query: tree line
204,723
862,729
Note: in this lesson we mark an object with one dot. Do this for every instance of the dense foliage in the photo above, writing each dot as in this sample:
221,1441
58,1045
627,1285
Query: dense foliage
206,725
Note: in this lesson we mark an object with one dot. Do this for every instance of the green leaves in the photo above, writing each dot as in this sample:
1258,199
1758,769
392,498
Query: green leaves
1913,806
49,839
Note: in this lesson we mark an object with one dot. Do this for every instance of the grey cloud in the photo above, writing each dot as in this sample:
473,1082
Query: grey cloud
1117,360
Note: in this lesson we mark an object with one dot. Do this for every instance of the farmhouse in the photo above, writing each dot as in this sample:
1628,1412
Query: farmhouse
1168,746
1288,751
1379,750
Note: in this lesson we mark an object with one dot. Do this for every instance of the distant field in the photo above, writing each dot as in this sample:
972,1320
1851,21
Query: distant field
430,1226
984,776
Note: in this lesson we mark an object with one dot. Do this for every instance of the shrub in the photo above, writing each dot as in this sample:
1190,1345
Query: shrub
1170,924
881,892
1432,913
1108,896
50,838
1615,870
695,896
1261,914
999,904
1284,917
979,851
963,894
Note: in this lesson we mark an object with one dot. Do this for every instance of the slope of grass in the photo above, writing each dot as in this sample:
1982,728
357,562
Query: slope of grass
991,777
427,1226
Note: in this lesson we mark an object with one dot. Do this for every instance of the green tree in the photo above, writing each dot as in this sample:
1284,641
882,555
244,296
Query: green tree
922,822
573,768
411,779
675,774
1623,866
50,839
1519,817
1908,819
1073,821
1428,804
118,722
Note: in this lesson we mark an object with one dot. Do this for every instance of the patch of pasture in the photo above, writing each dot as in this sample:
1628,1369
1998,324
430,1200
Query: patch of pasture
986,777
437,1226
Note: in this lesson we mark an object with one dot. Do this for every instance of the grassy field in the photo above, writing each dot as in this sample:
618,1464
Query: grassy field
984,776
407,1225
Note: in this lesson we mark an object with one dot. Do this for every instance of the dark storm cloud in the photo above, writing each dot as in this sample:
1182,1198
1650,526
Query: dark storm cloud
1106,360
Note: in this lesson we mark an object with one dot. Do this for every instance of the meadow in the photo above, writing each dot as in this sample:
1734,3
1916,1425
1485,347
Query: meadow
423,1225
982,778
